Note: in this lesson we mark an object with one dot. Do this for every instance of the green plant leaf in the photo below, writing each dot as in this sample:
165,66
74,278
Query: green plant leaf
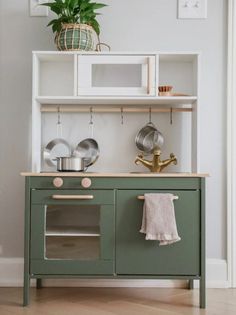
97,6
95,25
74,11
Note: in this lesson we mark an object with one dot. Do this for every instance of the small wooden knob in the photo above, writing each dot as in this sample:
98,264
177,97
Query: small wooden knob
86,182
58,182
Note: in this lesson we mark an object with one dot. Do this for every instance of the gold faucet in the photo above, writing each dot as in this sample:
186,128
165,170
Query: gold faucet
156,165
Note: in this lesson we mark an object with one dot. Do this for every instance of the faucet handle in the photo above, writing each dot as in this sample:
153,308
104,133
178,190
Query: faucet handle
173,158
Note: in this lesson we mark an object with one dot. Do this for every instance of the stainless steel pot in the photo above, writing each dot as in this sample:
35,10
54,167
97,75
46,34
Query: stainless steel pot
70,164
149,138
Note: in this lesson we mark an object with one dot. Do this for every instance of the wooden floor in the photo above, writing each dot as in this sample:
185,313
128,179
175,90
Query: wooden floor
120,301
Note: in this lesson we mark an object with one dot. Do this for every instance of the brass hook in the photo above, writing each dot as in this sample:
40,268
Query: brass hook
58,115
171,116
122,115
91,116
150,114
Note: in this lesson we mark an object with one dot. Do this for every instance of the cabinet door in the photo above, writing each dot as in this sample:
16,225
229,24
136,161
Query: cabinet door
116,75
135,255
70,236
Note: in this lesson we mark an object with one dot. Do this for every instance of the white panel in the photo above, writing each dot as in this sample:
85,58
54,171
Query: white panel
86,71
192,9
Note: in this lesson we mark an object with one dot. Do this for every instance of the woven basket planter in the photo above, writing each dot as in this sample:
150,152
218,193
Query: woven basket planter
76,37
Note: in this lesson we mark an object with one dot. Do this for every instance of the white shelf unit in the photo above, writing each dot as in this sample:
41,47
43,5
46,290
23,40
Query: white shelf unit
56,81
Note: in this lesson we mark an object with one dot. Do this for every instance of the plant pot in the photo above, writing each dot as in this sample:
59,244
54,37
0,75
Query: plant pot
76,37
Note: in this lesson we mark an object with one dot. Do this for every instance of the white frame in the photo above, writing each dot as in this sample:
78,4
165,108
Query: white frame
231,145
110,101
85,87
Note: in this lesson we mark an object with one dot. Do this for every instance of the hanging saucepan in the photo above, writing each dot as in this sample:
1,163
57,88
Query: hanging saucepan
56,147
149,138
88,150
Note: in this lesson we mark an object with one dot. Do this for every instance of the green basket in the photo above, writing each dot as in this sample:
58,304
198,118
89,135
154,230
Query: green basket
76,37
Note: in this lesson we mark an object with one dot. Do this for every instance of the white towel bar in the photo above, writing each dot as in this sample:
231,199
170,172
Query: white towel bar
142,197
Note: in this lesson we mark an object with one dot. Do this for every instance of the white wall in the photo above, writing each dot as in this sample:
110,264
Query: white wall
126,25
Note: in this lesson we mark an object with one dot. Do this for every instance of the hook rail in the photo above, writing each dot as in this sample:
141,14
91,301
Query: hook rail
107,109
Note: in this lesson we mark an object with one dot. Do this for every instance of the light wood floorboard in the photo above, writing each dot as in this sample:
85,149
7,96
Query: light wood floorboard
117,301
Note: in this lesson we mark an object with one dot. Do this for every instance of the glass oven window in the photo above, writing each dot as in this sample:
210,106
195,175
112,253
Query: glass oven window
72,232
116,75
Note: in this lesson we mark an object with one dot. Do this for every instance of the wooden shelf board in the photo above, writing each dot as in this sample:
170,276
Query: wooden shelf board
121,101
131,174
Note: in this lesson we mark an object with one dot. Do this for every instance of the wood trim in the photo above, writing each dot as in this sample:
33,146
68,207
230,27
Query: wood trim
98,109
72,197
231,144
143,197
77,174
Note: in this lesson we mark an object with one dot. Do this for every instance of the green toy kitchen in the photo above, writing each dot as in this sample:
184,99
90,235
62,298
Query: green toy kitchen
86,196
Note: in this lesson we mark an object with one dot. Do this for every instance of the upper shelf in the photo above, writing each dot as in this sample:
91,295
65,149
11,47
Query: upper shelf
114,78
99,100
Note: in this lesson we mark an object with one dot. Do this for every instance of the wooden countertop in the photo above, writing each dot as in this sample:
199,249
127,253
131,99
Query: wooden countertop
132,174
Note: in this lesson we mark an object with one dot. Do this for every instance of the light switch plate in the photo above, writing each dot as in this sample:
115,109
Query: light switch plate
36,9
192,9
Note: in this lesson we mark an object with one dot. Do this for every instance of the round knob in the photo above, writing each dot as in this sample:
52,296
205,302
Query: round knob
86,182
58,182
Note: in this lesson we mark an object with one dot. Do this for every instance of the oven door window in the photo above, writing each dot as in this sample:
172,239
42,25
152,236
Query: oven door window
72,232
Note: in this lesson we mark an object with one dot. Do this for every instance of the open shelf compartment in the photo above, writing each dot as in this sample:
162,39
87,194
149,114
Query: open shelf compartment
56,75
180,72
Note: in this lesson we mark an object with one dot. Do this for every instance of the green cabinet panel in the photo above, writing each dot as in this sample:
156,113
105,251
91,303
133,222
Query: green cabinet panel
135,255
185,183
100,237
59,267
103,264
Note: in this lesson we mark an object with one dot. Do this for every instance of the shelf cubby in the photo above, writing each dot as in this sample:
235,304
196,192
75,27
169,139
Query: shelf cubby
56,76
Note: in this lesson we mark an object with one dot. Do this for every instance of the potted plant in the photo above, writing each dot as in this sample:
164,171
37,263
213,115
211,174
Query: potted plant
76,23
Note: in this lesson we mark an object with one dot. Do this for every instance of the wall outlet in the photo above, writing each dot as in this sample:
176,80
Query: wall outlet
36,9
192,9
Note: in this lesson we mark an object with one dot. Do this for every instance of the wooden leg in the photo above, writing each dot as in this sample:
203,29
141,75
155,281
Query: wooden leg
26,289
202,292
39,283
191,284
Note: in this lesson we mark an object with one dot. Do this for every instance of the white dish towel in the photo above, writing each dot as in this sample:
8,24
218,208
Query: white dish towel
159,218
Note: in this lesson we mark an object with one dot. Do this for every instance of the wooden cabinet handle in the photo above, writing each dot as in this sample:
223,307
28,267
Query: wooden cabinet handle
72,197
148,75
143,198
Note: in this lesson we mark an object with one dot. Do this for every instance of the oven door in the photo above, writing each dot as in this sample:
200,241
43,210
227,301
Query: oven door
72,232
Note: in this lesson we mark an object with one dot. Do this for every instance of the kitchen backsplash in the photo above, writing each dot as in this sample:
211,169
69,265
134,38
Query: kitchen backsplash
116,141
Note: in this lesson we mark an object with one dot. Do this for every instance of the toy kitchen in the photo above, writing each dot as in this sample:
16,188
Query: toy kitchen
107,129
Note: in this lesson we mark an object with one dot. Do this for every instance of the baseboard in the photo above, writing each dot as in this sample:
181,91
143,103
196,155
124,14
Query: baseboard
11,275
216,273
